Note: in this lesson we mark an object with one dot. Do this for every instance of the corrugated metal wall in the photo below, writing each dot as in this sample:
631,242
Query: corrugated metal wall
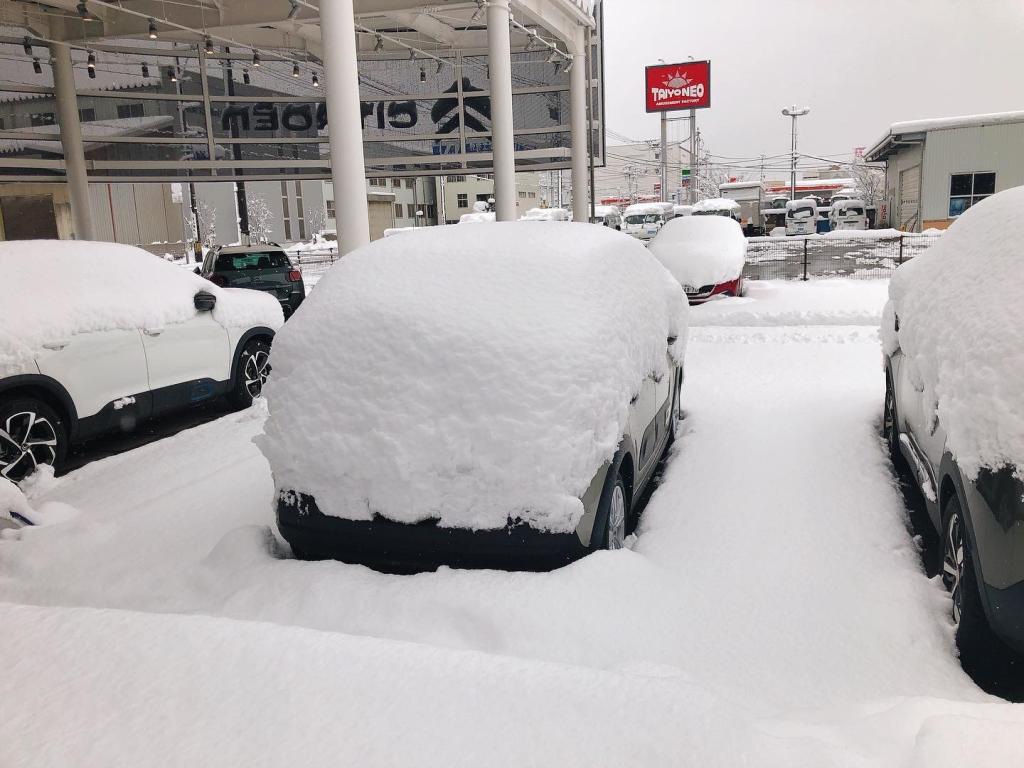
896,171
136,214
998,148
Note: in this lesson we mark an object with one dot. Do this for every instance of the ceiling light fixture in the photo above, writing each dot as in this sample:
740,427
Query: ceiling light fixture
37,67
440,64
379,45
145,69
172,74
28,46
316,81
209,46
83,10
295,70
245,76
255,58
152,30
423,75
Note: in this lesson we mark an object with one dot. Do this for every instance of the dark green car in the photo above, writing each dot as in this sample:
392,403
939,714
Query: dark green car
264,268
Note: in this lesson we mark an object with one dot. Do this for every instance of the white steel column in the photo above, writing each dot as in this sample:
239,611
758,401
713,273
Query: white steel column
578,126
345,124
66,97
499,51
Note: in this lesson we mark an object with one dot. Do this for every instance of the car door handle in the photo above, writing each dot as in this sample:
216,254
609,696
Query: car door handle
153,331
56,346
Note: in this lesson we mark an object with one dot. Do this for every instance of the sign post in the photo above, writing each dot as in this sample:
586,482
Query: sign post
671,87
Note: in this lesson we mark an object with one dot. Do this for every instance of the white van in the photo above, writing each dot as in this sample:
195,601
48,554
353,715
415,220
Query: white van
801,216
546,214
607,215
643,220
849,214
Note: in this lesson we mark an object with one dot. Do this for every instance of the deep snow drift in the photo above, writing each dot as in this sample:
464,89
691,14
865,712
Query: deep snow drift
960,320
413,380
65,287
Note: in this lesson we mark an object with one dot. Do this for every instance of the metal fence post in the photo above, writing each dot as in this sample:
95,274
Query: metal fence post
901,249
805,258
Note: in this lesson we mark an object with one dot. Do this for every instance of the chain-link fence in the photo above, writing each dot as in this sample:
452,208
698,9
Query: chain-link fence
862,255
313,263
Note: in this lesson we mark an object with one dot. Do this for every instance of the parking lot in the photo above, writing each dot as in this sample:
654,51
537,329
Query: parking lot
772,609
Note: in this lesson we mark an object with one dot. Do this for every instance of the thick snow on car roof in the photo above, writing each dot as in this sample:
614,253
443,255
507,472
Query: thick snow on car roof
701,250
716,204
54,289
484,374
960,315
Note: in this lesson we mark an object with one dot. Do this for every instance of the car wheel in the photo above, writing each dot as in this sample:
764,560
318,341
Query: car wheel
890,430
253,370
614,534
31,434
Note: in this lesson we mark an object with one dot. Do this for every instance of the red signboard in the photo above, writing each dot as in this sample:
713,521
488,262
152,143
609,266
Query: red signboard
678,86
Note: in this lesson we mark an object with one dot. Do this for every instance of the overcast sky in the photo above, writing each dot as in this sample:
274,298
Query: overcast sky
860,65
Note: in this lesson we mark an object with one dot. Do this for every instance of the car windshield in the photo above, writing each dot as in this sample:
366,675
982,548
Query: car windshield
852,211
801,213
230,262
642,218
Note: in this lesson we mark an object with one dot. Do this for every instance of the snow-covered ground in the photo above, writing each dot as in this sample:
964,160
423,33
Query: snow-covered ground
771,612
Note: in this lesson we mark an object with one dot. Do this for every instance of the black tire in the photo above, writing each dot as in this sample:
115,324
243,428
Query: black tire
613,516
31,433
985,657
251,373
890,428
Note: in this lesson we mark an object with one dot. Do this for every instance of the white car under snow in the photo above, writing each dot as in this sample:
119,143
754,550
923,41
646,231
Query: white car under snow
98,337
499,395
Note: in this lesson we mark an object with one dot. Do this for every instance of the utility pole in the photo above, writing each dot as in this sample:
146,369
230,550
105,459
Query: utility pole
664,156
693,156
794,112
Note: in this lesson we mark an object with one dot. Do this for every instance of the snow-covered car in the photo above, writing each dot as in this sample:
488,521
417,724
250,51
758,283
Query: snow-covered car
499,396
954,409
717,206
264,267
706,254
643,220
848,214
802,216
608,216
98,337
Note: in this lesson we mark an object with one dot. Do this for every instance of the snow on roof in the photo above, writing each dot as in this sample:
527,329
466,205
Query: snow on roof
964,346
478,217
739,185
939,124
69,287
604,210
429,382
545,214
716,204
814,185
842,205
639,209
801,204
701,250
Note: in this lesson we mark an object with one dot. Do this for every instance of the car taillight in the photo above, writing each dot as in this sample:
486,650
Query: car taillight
219,280
294,276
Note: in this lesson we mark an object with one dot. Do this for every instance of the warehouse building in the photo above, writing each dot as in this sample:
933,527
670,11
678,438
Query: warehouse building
937,169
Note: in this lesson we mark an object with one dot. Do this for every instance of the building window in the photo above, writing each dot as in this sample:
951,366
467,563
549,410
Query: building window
284,208
129,110
396,183
456,179
329,204
398,211
42,118
87,115
463,200
412,210
431,211
483,198
300,210
410,183
378,182
967,189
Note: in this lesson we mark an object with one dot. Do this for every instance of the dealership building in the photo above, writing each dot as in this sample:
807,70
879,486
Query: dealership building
936,169
149,122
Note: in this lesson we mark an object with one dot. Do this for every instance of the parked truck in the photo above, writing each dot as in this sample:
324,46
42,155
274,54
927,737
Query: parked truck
750,196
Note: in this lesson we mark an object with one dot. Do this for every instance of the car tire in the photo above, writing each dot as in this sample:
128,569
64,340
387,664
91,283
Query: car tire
31,434
982,654
890,422
251,373
614,516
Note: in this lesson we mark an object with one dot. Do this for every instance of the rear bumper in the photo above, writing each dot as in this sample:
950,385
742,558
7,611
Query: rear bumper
405,548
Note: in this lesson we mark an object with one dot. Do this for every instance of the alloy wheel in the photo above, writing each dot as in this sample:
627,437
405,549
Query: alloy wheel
257,369
26,441
617,519
953,562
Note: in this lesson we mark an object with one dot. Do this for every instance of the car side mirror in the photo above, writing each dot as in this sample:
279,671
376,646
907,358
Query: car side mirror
205,302
198,271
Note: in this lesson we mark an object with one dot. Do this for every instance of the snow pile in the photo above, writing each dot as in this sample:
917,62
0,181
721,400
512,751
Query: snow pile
600,211
960,316
645,209
483,375
478,217
682,210
716,205
66,287
701,250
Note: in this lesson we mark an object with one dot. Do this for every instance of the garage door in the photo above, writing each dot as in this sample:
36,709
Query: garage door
29,218
910,199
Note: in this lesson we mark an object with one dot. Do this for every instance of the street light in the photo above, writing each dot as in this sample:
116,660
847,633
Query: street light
794,112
